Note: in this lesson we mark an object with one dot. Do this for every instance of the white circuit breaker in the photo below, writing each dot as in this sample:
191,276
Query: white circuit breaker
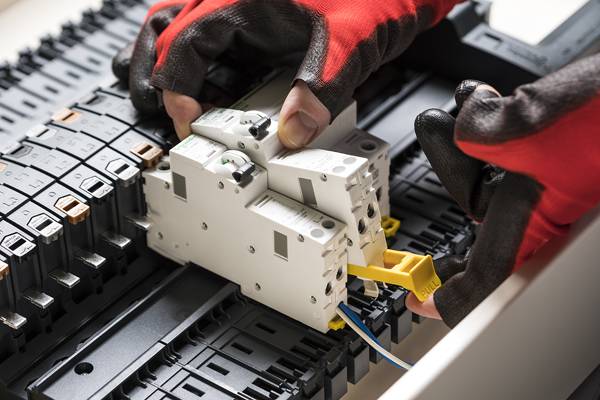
284,225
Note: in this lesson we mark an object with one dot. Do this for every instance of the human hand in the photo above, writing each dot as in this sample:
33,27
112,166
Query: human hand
527,165
336,44
425,309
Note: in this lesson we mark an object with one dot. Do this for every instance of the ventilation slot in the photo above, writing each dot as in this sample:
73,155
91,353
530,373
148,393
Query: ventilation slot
193,390
241,348
284,362
218,369
266,328
264,385
313,343
280,374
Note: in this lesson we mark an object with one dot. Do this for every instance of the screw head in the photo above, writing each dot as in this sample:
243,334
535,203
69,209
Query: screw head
300,238
221,185
241,145
204,226
313,299
257,287
350,243
251,249
166,185
324,177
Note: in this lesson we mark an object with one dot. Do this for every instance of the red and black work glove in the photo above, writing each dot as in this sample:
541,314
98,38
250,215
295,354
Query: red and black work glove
336,44
526,165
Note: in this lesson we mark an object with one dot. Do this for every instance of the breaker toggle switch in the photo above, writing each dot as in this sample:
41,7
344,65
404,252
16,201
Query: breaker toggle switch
4,270
237,165
66,116
258,122
48,229
126,173
76,210
18,246
96,187
149,154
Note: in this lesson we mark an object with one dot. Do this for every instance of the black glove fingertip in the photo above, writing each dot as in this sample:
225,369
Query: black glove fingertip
144,96
433,120
465,89
122,61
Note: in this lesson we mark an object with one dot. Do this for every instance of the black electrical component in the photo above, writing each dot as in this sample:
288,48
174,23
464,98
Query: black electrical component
244,173
259,129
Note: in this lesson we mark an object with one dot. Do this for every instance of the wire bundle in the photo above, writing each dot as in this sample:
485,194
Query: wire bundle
355,323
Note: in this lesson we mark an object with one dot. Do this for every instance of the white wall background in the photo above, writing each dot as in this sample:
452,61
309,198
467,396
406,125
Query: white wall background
23,22
531,20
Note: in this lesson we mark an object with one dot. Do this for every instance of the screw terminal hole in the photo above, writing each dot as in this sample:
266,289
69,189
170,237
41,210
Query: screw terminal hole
362,228
84,368
328,224
370,211
164,166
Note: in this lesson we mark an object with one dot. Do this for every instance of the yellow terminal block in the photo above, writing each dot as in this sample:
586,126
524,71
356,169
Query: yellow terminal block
336,324
411,271
390,226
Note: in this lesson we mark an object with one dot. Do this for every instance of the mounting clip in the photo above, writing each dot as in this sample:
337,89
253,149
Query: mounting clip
411,271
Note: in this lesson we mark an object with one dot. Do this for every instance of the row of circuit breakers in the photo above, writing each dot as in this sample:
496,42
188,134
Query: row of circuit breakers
77,276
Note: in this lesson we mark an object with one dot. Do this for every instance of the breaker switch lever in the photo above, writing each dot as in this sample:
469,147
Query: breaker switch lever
149,154
76,210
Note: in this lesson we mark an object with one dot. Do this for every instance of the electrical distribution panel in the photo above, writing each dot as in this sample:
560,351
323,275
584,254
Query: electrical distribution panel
87,310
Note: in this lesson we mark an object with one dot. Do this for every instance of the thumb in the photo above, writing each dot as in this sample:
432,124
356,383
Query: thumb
121,62
303,117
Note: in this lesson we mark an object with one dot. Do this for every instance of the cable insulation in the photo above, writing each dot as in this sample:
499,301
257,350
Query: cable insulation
354,322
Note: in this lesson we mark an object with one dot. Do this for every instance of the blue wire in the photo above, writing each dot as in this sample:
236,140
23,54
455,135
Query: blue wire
356,319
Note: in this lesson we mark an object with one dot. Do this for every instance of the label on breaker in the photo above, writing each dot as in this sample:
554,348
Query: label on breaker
199,149
297,217
218,118
326,162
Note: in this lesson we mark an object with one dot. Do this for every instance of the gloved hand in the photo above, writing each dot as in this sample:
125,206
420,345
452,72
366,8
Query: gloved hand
341,42
527,165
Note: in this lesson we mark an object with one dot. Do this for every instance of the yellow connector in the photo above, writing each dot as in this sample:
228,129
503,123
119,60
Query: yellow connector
390,226
336,324
411,271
